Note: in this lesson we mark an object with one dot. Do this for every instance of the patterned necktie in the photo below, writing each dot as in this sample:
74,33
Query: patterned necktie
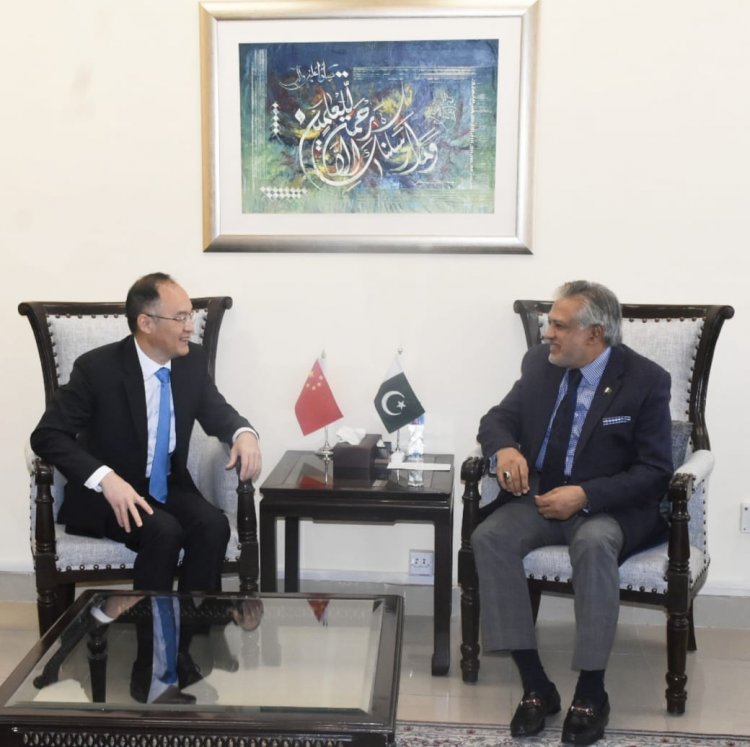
157,485
553,467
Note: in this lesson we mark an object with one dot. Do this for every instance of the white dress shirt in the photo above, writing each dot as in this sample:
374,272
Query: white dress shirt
152,385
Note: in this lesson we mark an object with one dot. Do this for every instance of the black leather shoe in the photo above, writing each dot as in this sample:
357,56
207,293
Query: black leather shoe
188,672
174,696
532,710
584,723
140,682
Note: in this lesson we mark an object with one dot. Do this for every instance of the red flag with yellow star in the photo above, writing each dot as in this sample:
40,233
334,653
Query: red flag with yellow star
316,405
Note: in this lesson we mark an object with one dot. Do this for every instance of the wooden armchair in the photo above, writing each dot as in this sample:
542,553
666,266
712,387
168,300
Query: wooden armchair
682,340
63,331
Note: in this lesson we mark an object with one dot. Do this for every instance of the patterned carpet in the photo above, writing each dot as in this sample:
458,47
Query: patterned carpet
413,734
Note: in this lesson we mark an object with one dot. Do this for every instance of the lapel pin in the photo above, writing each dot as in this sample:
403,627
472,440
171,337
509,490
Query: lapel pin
607,390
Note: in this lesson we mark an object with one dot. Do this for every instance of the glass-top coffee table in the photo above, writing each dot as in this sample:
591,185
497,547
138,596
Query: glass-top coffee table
225,670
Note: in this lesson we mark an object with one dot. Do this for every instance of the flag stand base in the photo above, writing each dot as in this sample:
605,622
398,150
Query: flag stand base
325,451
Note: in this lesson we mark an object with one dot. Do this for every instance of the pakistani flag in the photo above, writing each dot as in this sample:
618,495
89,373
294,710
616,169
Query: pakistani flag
395,401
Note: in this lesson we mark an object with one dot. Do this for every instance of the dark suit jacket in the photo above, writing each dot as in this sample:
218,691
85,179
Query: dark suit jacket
99,417
624,456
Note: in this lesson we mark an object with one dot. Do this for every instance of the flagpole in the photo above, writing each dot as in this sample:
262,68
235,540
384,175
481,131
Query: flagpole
325,450
399,351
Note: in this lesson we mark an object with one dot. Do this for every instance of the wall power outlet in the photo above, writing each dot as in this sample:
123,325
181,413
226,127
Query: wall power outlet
745,516
421,563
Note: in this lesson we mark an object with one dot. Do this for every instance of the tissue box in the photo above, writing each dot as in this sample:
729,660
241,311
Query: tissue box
350,460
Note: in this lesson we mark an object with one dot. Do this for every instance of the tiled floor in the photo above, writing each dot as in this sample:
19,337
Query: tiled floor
718,680
718,685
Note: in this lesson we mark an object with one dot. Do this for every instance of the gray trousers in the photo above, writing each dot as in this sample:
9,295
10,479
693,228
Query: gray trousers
500,543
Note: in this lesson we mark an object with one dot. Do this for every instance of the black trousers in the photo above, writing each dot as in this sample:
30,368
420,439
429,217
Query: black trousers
186,521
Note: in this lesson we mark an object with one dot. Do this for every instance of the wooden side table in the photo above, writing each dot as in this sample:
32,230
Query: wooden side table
302,486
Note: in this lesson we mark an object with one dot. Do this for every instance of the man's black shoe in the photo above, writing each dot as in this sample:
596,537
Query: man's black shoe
171,696
174,696
532,710
140,682
188,672
585,722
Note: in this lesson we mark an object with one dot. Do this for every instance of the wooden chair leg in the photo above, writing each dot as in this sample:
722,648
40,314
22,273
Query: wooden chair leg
247,529
470,629
83,626
471,472
46,609
51,602
677,644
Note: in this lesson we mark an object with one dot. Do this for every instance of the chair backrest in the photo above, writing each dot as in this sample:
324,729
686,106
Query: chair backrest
65,330
681,339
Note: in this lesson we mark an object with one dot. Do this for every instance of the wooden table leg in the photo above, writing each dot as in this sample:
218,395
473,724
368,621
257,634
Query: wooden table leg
267,551
441,658
291,554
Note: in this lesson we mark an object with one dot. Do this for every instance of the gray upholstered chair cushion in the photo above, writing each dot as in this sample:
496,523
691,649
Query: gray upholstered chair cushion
219,486
646,569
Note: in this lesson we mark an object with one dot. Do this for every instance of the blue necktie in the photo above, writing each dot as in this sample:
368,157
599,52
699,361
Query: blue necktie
166,634
553,467
157,485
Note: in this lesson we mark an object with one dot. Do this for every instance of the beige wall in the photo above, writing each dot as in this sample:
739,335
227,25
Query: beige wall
641,181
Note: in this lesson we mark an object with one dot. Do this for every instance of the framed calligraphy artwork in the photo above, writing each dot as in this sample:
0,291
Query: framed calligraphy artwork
350,127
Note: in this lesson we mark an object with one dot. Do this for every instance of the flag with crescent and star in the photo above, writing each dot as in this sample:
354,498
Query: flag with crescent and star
316,406
395,401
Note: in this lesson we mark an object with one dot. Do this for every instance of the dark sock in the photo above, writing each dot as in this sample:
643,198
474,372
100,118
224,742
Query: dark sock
590,686
531,670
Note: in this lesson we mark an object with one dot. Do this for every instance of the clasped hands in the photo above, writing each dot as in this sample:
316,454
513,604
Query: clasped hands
559,503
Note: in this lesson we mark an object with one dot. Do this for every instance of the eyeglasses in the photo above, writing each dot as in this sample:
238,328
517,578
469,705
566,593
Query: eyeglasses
183,317
562,326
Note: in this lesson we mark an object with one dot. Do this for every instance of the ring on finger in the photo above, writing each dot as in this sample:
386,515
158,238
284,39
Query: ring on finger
506,476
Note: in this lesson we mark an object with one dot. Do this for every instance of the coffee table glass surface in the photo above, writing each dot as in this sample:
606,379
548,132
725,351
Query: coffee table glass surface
233,669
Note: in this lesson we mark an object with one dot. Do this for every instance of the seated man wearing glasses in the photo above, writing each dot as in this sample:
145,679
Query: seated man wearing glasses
119,431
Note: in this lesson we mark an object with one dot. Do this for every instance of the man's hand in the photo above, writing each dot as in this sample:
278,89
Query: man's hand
124,500
512,471
246,451
248,613
561,503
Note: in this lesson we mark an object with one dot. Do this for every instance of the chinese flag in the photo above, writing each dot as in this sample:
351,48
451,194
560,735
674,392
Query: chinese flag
316,406
319,608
